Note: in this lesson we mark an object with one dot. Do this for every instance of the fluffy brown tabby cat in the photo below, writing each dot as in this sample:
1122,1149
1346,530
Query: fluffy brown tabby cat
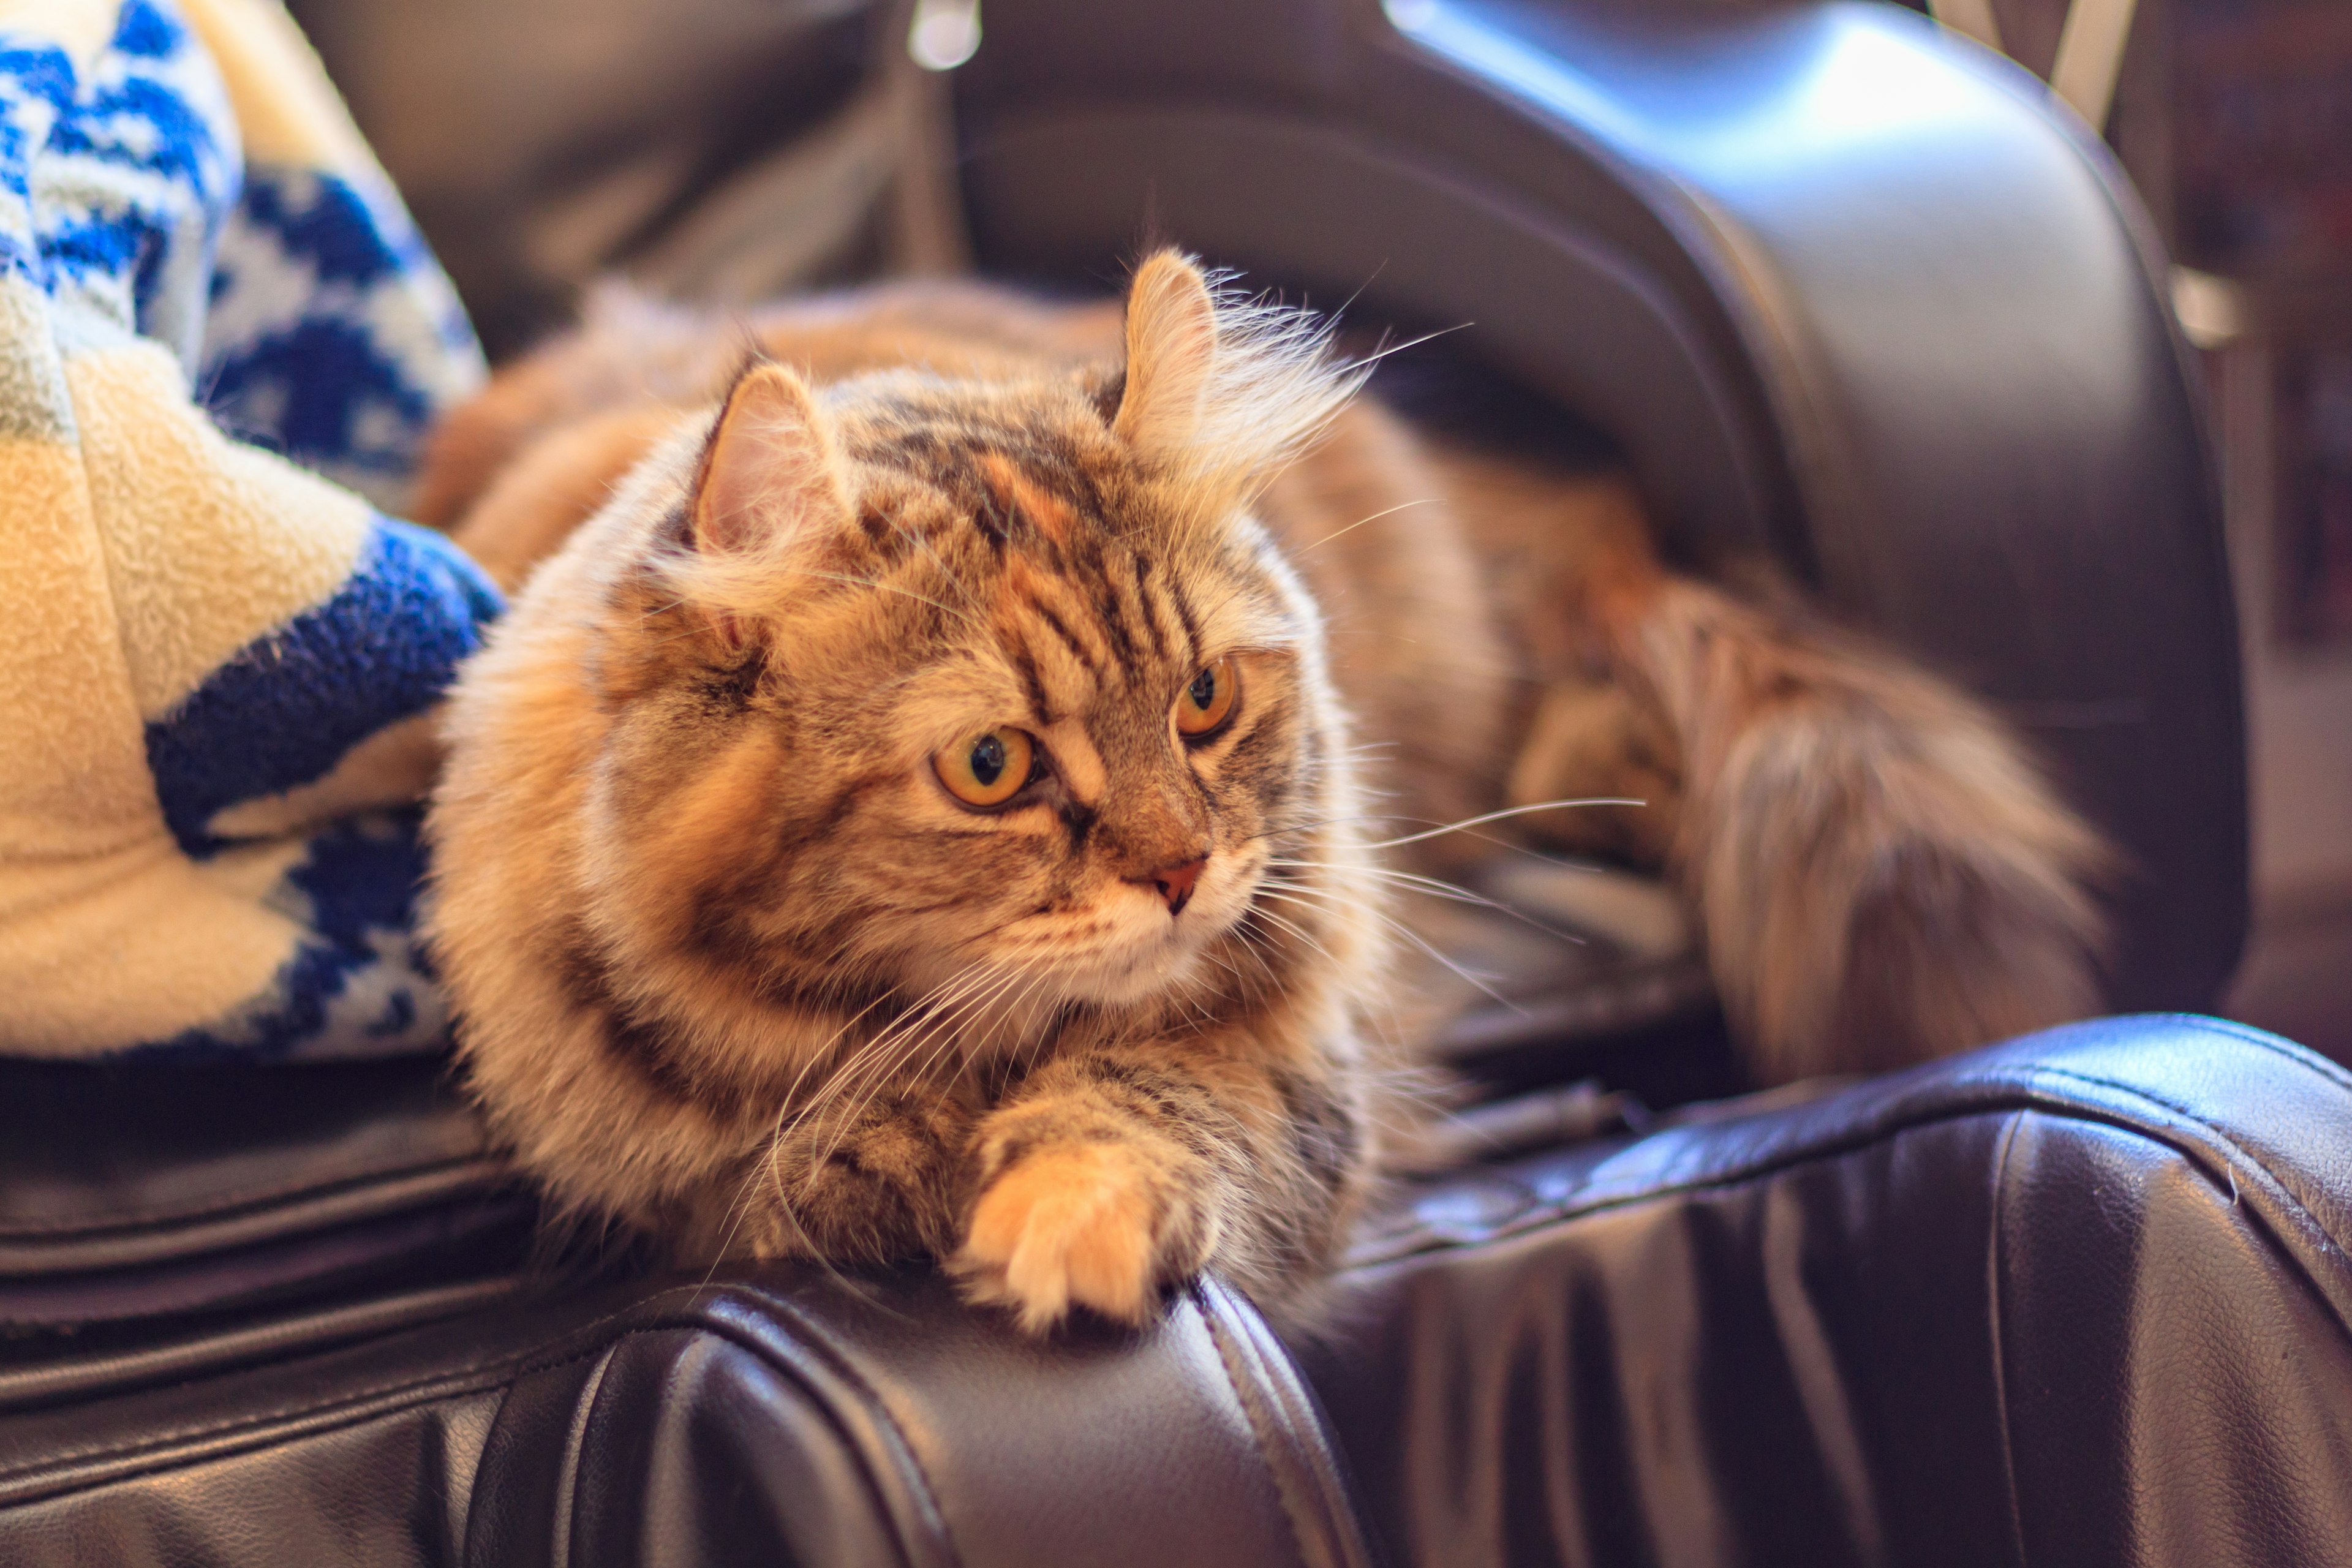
928,806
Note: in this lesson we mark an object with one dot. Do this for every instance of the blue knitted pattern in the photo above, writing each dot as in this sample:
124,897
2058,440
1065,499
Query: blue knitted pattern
308,318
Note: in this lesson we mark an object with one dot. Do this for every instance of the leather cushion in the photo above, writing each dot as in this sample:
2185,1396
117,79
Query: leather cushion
2080,1299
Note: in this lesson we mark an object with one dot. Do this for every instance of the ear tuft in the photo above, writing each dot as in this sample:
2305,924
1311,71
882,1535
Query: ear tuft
1221,391
771,472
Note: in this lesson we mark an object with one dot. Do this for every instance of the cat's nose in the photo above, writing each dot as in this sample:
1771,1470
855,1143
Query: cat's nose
1176,882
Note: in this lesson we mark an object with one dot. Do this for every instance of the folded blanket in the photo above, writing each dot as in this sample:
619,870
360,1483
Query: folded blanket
221,339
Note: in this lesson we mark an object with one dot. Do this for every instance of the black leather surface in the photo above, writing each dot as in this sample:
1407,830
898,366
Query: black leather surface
774,1417
541,143
2083,1299
138,1193
2080,1299
1846,293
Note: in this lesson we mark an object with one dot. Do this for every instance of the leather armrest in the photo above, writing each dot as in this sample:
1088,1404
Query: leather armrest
2082,1298
769,1417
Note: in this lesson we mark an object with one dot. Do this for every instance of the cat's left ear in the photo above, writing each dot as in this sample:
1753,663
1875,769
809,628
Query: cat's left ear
771,474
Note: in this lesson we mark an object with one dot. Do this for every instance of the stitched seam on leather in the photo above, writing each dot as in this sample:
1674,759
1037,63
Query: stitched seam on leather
2287,1050
1279,1462
244,1200
309,1334
902,1451
375,1403
225,1441
2296,1198
448,1383
465,1553
2003,1095
2289,1199
1320,1462
383,1399
1993,1281
367,1406
566,1511
2018,1097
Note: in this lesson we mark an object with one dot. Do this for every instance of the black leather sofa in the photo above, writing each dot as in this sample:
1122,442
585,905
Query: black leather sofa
1847,296
2081,1300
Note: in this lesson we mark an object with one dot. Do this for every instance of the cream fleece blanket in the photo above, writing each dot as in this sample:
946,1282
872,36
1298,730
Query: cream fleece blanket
220,339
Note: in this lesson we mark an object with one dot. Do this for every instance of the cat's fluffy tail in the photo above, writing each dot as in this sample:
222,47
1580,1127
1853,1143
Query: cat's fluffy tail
1882,873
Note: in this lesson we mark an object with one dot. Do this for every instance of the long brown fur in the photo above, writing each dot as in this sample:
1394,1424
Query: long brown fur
734,969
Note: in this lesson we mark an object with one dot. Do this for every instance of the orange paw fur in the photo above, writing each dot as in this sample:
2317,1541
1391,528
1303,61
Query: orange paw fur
1068,1225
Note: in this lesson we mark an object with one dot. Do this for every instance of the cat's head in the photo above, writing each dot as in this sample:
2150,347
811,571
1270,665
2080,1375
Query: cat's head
992,688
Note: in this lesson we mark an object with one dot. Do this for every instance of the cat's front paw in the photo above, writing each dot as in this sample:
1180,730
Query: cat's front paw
1076,1223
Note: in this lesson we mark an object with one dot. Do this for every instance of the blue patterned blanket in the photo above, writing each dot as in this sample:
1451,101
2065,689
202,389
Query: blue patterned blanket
221,340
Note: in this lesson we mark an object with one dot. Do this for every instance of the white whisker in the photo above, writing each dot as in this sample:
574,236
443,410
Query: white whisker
1410,935
1362,520
1440,832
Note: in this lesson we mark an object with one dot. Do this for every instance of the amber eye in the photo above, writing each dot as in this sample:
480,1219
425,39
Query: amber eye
1209,702
989,769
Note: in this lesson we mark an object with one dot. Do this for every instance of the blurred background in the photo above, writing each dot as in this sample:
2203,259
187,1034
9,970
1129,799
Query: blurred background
729,149
2235,118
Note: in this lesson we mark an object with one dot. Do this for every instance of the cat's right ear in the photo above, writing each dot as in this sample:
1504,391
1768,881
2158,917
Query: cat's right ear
1219,391
770,475
1171,353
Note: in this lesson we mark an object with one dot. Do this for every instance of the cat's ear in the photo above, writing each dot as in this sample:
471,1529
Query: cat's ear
1221,392
1171,355
771,474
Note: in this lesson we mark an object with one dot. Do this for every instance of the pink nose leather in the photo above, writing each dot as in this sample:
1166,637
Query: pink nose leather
1176,882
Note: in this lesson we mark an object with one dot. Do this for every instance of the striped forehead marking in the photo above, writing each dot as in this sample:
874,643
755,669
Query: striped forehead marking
1016,494
1054,643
